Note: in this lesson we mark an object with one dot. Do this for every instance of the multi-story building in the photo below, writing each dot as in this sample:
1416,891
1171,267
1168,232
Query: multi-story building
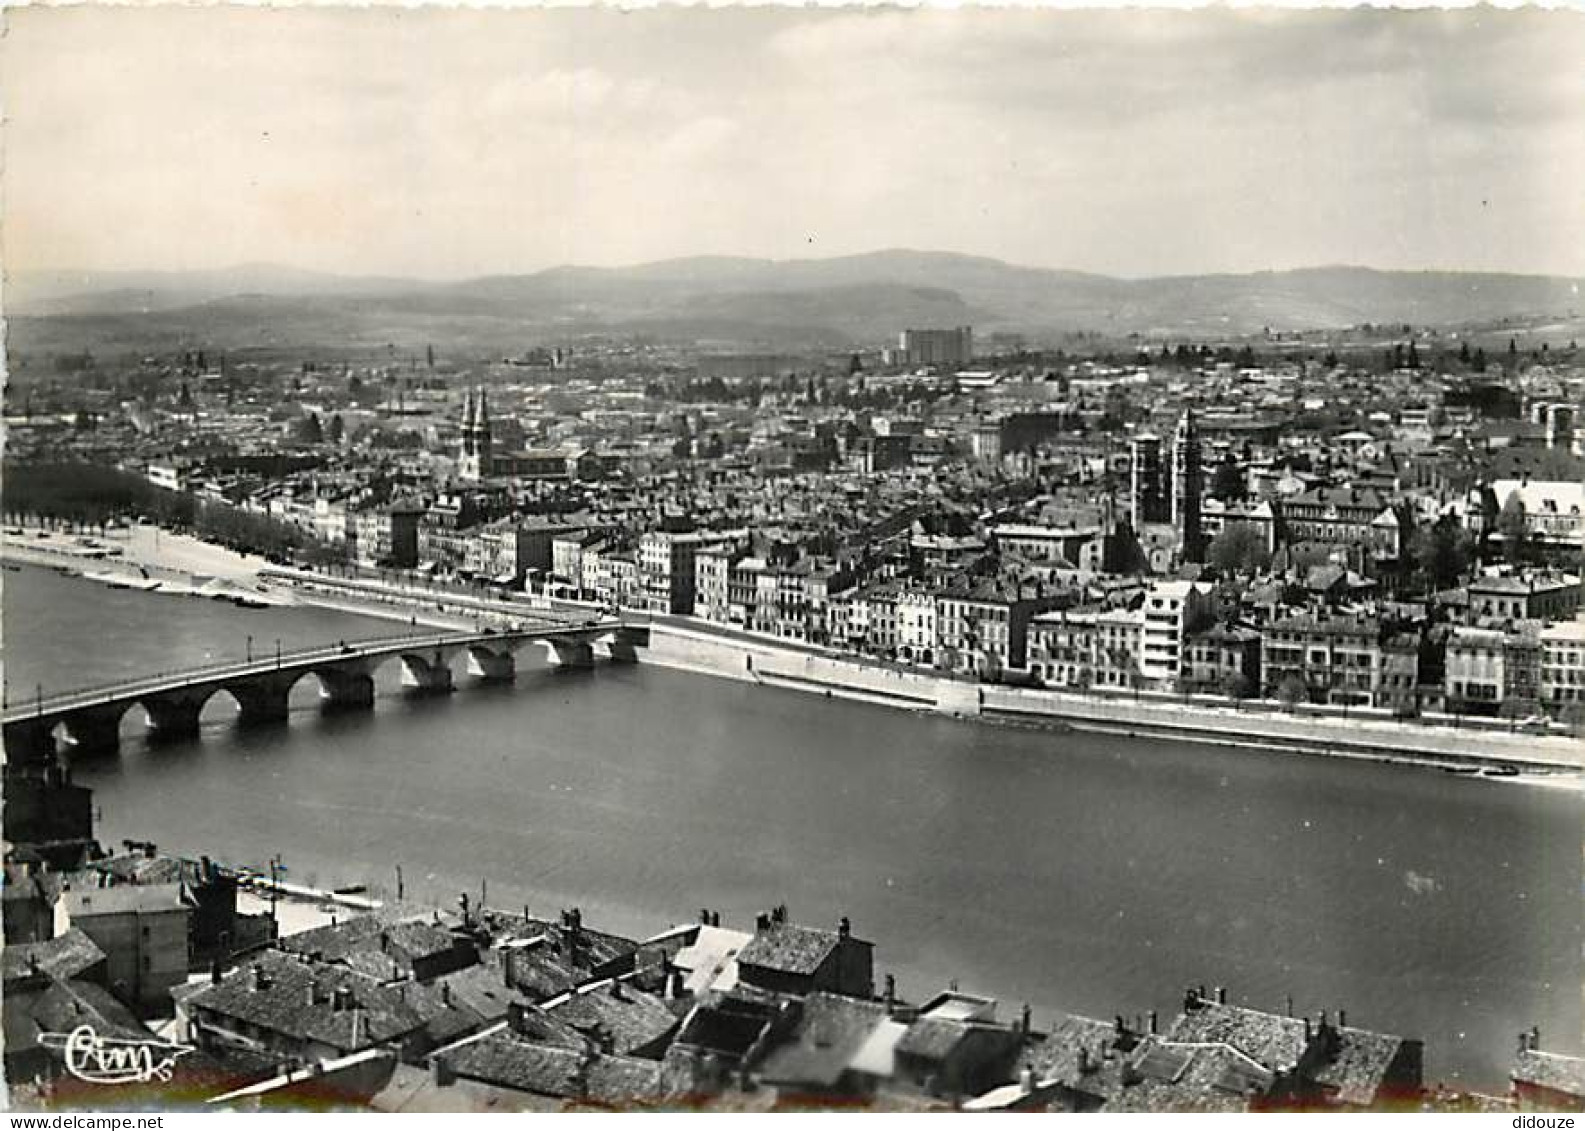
1342,660
1554,510
142,929
566,555
387,537
1352,516
1548,595
916,625
1119,646
1083,548
667,570
983,629
1062,647
1221,659
1563,668
1171,610
871,619
937,347
1494,671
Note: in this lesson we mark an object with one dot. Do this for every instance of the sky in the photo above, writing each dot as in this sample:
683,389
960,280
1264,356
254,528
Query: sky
446,143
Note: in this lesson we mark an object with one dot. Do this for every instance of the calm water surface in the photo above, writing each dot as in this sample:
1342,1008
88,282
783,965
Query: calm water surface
1094,873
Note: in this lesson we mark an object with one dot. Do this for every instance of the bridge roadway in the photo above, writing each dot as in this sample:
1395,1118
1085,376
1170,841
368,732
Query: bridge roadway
89,720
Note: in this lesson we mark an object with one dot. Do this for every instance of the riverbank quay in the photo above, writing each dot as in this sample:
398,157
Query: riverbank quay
1456,744
388,598
707,650
144,558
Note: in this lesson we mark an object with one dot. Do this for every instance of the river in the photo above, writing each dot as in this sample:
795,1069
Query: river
1098,874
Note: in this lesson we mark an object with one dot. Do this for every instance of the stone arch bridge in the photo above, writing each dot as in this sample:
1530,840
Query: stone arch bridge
89,721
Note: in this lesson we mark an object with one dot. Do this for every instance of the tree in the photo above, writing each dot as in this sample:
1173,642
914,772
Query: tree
1292,690
1442,553
1227,481
1237,685
1512,526
1238,549
306,429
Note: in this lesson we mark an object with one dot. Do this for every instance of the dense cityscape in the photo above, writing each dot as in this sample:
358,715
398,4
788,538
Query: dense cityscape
759,559
1393,529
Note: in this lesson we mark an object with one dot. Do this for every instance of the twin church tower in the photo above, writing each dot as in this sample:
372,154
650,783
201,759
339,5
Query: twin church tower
1160,495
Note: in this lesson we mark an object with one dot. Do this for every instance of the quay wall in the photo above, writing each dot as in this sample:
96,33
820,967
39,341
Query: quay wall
741,657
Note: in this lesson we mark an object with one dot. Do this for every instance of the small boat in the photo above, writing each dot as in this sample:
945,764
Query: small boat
1503,771
1460,769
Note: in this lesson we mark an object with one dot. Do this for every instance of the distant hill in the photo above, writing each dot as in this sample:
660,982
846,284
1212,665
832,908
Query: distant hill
826,302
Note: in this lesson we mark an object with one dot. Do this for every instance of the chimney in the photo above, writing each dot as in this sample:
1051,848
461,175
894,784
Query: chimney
357,1028
1025,1020
674,985
445,994
1342,1019
1026,1079
441,1073
1084,1060
261,979
1221,995
844,927
1153,1022
891,992
762,922
1307,1029
704,917
516,1017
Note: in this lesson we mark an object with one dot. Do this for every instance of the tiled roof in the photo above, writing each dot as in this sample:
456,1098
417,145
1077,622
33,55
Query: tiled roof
932,1038
1272,1040
630,1017
68,1004
64,956
789,948
283,1006
507,1060
1358,1068
828,1037
1551,1070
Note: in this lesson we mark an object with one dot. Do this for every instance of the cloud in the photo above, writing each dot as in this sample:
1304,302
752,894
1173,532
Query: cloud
451,142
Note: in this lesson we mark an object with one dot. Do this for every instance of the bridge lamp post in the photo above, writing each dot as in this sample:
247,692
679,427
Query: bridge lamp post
277,651
250,649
